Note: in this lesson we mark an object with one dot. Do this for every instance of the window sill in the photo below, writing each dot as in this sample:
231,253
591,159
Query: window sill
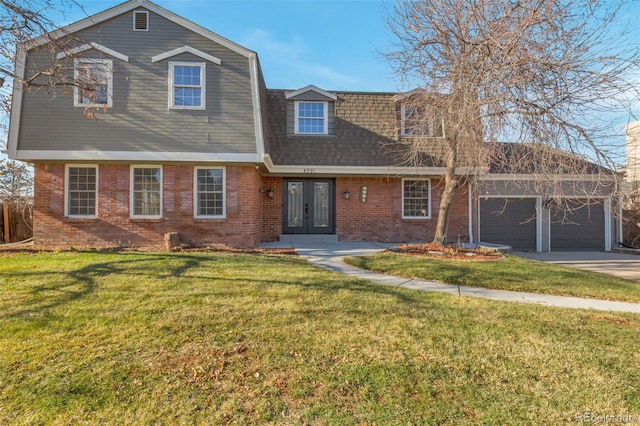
312,135
209,219
146,219
412,218
174,108
79,219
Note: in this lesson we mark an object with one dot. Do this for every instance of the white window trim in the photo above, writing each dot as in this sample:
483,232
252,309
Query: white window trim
132,206
66,190
203,88
195,193
76,89
186,49
429,206
89,46
145,12
325,130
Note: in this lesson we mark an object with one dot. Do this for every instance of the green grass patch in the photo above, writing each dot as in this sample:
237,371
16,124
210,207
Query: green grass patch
512,273
219,338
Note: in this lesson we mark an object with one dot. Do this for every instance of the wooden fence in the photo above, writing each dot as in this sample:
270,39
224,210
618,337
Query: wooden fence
15,222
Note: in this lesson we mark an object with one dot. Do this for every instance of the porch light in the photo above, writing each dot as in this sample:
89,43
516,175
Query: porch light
346,194
270,193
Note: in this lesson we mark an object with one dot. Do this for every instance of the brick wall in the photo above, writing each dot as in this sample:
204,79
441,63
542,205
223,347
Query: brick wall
272,208
252,216
380,217
242,226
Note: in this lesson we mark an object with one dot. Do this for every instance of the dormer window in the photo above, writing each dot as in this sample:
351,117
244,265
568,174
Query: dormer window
311,118
313,111
420,121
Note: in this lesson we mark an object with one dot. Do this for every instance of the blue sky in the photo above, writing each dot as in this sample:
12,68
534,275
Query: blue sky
334,44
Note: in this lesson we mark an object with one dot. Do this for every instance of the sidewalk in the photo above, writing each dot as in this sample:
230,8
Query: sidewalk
329,256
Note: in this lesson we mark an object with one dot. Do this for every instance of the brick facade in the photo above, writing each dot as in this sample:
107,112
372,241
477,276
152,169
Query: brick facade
380,217
242,226
251,215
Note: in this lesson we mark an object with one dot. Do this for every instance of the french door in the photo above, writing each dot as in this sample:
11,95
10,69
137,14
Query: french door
308,206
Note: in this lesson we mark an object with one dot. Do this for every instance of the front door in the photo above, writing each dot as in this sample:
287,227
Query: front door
308,206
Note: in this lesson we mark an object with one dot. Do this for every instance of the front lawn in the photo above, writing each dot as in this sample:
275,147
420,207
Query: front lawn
220,338
512,273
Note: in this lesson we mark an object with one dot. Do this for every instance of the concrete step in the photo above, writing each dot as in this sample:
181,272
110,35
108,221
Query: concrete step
308,238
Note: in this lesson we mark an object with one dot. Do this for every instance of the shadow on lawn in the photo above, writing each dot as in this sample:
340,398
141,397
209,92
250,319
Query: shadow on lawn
53,289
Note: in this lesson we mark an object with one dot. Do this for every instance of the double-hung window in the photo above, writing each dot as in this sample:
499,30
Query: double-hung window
311,118
209,192
93,82
416,198
146,191
81,191
187,85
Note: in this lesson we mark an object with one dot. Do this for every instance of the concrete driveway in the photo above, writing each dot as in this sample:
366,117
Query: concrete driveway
621,265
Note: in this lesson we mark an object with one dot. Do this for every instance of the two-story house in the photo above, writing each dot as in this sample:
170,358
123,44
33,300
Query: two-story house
169,127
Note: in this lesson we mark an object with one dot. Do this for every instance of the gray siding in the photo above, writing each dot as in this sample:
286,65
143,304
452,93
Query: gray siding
140,119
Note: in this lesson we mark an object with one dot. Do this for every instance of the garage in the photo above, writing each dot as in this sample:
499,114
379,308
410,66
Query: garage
576,225
510,221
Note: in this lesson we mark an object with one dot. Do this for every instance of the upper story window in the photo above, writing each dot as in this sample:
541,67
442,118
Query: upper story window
187,85
420,121
94,82
146,191
311,118
81,191
416,198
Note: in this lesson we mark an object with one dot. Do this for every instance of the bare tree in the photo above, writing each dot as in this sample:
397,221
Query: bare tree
21,21
547,74
16,182
16,201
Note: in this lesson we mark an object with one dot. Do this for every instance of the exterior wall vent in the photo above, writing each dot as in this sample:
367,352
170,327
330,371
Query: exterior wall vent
140,20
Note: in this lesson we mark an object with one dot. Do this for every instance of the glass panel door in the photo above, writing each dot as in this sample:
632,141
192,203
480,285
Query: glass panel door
308,206
295,204
321,204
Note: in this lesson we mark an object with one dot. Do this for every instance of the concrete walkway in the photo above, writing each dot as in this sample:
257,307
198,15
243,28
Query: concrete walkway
329,256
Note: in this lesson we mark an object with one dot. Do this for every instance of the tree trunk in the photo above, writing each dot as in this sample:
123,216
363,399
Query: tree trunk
446,198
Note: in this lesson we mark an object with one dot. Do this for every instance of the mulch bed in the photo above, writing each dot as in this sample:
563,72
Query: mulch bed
31,248
449,251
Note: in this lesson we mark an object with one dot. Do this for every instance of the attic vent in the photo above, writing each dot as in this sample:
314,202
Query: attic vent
140,20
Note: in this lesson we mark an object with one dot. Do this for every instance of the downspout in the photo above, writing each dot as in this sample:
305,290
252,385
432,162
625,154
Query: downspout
607,224
620,222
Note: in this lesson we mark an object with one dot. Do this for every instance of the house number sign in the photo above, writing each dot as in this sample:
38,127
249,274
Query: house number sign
309,170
